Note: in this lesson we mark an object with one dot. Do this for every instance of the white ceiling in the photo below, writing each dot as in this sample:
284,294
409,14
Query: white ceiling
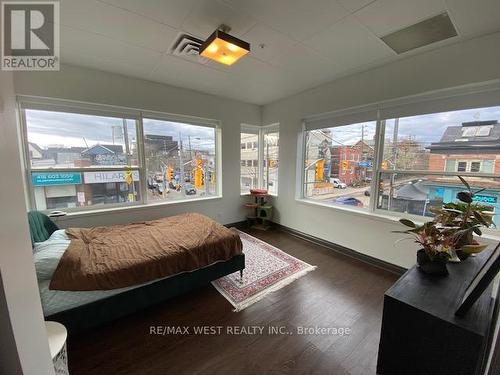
306,42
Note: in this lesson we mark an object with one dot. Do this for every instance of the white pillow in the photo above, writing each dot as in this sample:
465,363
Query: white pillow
47,254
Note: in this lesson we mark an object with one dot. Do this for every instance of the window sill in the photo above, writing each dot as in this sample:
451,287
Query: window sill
356,211
386,218
138,207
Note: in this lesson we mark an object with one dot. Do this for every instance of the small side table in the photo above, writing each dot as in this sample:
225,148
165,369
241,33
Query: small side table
57,336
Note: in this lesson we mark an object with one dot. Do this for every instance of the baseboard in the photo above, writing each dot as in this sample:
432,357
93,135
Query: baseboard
344,250
237,225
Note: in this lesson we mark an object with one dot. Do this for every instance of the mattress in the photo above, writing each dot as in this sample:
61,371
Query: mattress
46,257
54,301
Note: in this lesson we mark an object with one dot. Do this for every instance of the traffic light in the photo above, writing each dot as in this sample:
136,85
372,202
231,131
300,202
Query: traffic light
320,170
345,165
385,164
198,174
128,177
169,173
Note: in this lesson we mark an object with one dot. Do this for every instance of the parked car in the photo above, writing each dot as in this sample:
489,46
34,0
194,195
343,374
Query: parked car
189,189
337,183
350,201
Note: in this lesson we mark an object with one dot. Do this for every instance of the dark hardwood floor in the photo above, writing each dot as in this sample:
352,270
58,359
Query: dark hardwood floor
342,292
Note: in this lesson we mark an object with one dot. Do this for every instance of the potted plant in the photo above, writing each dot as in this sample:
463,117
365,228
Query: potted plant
467,218
450,235
435,243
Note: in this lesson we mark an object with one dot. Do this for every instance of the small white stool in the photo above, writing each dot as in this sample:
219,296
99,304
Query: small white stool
57,336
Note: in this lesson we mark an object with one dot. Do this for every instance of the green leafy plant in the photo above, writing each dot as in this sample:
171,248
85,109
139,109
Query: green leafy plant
453,227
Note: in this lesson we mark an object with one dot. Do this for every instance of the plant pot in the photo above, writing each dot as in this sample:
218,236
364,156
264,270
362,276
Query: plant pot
435,266
462,254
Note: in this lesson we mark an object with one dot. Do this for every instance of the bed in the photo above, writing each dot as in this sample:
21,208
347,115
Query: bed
82,309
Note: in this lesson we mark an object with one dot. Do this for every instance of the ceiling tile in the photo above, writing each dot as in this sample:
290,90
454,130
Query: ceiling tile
297,18
486,16
97,17
179,72
349,45
354,5
248,67
73,57
274,42
77,44
308,43
170,12
208,15
306,64
385,16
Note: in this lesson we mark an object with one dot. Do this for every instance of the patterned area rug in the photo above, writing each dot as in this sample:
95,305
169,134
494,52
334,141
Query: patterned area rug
267,269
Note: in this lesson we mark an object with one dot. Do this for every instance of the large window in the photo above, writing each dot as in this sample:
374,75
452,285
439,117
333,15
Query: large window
79,160
180,160
424,154
259,158
338,164
249,171
405,164
271,160
81,157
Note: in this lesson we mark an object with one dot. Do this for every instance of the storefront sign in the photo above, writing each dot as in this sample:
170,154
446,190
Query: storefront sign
365,164
55,178
108,176
484,199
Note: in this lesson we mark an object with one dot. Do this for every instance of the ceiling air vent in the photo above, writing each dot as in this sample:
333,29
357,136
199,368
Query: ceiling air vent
187,46
421,34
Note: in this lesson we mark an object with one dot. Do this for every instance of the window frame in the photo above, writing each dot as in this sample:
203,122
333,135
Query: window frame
487,95
260,131
77,107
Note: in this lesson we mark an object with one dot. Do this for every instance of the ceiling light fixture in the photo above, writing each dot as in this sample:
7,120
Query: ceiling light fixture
224,48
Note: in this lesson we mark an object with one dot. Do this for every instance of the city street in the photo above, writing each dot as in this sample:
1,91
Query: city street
358,193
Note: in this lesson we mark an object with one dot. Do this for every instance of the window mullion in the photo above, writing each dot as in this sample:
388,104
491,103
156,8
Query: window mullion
379,154
260,149
142,160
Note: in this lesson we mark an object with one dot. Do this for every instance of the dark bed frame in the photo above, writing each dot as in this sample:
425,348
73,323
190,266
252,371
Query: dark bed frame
108,309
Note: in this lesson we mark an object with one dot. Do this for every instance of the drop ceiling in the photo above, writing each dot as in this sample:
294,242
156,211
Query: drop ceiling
296,44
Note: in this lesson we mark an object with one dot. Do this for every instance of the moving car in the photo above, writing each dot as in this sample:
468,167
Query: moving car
337,183
350,201
189,189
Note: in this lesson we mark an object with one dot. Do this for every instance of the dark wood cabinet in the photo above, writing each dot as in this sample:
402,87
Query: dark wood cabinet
420,332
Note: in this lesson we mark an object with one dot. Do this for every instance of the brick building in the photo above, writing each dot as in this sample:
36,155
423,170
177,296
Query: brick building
473,147
352,164
458,149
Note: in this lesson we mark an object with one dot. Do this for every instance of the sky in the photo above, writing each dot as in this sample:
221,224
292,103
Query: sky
47,128
424,128
56,128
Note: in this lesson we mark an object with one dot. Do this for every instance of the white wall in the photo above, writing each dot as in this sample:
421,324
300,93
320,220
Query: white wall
23,342
459,64
94,86
462,63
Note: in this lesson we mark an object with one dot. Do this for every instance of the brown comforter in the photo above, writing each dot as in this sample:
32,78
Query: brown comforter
118,256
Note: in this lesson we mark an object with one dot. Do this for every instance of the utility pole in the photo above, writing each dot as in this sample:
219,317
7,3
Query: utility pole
267,165
363,174
394,159
181,165
190,149
127,156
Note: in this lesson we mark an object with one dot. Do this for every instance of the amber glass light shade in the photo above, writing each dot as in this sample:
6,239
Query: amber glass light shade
224,48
